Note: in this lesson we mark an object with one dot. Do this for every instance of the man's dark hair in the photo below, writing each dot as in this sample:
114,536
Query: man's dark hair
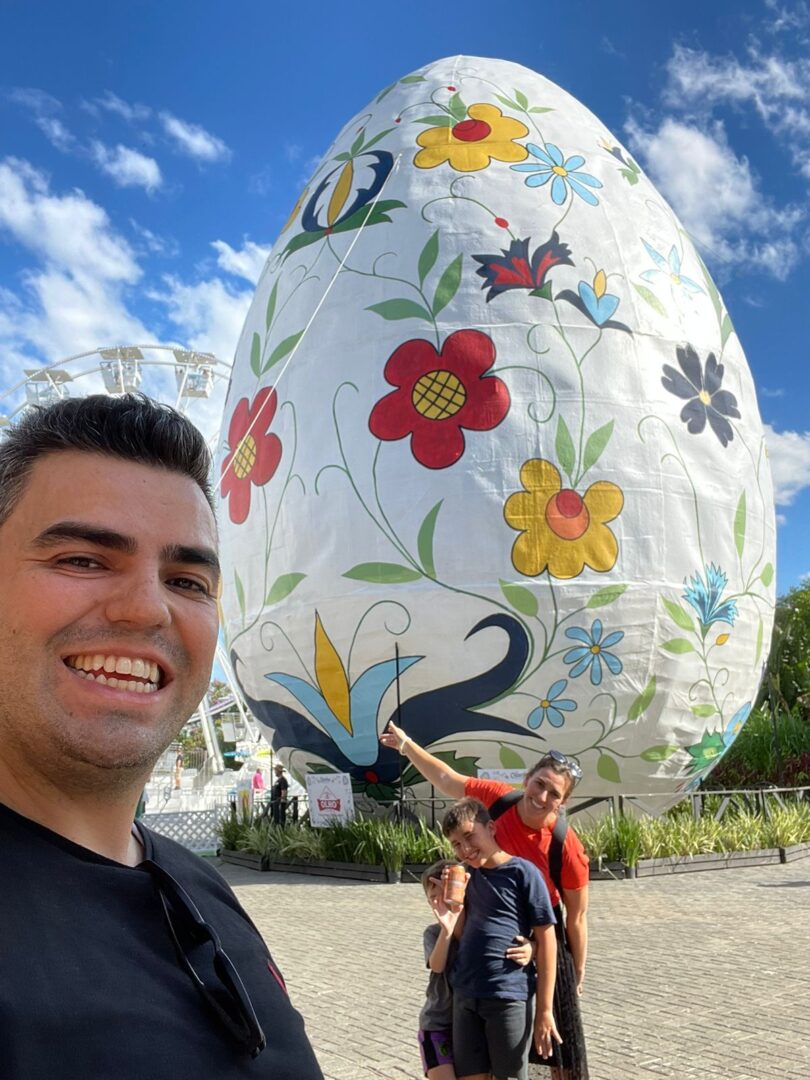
466,809
131,427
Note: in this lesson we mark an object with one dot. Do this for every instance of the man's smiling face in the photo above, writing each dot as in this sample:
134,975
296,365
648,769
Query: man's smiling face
109,576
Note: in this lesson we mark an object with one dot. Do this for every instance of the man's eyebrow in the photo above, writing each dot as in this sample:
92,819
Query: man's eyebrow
90,534
195,556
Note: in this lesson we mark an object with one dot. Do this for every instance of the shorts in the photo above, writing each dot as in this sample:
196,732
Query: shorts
436,1048
491,1036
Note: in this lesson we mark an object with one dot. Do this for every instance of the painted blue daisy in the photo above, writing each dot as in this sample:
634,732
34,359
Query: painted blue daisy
734,726
561,171
669,268
706,596
552,707
592,652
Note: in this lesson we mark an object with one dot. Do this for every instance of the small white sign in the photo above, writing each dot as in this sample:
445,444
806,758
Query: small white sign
330,798
228,732
515,777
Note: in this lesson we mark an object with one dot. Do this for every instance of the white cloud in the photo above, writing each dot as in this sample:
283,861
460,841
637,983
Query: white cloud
111,102
56,133
247,263
789,455
194,140
785,19
768,392
717,196
37,101
208,315
74,297
127,167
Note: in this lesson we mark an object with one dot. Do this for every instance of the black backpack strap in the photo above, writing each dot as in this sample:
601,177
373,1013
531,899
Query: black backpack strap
555,851
503,802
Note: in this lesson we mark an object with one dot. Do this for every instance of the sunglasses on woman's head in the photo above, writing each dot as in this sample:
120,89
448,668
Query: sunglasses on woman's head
565,762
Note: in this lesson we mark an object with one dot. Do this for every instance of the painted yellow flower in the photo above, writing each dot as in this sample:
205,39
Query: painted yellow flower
560,530
471,144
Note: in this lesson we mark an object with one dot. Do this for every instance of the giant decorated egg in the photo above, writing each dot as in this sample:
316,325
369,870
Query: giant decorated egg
491,456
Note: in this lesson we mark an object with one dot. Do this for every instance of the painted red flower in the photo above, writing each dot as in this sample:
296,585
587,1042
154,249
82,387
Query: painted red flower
438,394
515,269
253,454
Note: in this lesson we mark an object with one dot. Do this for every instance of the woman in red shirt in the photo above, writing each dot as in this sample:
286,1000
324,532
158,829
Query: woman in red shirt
525,829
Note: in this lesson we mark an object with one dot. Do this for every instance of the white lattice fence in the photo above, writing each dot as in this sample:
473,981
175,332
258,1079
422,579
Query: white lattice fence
194,829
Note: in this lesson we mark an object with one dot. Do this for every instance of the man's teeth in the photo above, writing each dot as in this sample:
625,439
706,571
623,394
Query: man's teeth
100,668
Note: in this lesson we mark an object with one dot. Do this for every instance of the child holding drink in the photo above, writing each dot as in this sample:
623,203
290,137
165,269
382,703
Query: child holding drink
440,944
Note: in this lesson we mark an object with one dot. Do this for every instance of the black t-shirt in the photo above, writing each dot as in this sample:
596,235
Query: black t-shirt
279,791
91,987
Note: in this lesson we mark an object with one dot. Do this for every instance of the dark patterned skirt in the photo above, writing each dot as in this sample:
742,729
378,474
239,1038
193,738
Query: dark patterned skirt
571,1056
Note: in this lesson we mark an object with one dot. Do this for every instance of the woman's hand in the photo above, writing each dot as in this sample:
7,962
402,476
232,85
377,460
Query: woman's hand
545,1030
522,952
394,737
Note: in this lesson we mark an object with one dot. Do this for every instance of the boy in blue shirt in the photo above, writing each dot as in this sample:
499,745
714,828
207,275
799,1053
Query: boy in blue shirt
492,996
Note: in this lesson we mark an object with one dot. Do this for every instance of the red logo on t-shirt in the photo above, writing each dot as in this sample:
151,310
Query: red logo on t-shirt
271,967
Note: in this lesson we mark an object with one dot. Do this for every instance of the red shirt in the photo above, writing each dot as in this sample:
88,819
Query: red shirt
519,839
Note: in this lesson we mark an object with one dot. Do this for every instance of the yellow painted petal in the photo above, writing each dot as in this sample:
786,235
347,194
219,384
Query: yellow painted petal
436,136
604,501
566,558
340,194
600,284
331,676
600,548
430,158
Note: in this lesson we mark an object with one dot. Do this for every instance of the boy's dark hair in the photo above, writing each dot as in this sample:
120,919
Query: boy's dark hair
131,427
435,870
467,809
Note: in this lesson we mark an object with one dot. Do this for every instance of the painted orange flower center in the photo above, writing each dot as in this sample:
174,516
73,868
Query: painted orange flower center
705,397
567,515
595,649
438,395
559,170
471,130
245,457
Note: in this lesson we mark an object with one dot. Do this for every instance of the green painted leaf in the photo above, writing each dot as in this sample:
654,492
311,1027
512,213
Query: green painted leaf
428,256
521,598
424,541
678,615
384,93
507,101
739,525
342,157
256,355
606,595
457,107
564,445
282,587
658,753
597,441
678,646
408,79
726,329
643,701
767,574
400,309
382,573
608,768
760,631
704,711
711,288
357,145
282,349
649,297
510,759
448,285
540,109
240,593
521,99
630,176
377,138
438,120
271,306
544,292
467,766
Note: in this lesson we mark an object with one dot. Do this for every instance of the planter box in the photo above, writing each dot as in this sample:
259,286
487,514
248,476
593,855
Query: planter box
795,851
602,870
244,858
684,864
323,868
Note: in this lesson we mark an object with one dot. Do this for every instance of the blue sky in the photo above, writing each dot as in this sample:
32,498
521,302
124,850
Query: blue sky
151,153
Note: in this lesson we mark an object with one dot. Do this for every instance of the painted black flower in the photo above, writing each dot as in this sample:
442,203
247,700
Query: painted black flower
514,269
701,387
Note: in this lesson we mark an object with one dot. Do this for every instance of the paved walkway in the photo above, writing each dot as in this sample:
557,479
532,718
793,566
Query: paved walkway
698,975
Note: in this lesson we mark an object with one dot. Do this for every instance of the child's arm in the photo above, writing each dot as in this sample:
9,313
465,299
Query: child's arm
521,952
451,922
544,1027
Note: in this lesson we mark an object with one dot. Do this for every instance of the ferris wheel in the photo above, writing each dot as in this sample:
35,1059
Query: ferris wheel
194,383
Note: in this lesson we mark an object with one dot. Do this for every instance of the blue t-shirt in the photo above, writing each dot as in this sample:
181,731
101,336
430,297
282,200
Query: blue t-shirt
500,903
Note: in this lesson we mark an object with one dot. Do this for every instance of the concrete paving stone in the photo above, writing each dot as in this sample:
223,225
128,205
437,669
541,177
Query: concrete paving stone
696,975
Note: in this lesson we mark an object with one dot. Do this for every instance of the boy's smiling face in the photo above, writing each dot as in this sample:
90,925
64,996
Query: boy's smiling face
474,842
